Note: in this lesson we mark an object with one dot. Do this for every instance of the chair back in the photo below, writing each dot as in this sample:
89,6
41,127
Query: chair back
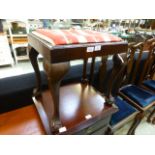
147,70
139,61
113,77
151,64
134,58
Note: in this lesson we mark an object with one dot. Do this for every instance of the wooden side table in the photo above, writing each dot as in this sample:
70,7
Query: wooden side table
76,108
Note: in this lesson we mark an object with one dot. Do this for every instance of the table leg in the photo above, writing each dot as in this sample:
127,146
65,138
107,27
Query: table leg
33,54
102,71
55,73
150,117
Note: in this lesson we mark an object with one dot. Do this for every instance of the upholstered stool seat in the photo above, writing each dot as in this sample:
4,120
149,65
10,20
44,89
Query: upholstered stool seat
142,97
125,110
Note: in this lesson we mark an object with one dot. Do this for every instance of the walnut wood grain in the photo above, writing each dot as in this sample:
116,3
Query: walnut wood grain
33,54
62,54
55,73
76,102
23,121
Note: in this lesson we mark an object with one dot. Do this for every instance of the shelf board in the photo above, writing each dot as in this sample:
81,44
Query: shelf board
19,58
18,35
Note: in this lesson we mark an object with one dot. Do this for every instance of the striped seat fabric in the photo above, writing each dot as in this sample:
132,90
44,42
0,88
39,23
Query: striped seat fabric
73,36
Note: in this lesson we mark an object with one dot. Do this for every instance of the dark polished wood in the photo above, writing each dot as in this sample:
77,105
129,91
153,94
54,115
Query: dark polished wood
149,46
151,63
116,77
23,121
137,65
84,75
136,122
132,49
77,102
151,68
92,70
115,81
55,73
150,117
102,72
33,54
62,54
149,71
141,47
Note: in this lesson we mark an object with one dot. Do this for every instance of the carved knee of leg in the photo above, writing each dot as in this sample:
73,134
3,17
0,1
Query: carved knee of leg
56,71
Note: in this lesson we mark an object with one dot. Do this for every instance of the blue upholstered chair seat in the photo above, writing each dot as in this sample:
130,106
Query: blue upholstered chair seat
142,97
124,111
150,84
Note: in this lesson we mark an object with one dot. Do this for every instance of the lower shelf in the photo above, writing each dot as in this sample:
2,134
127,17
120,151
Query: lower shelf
77,102
20,58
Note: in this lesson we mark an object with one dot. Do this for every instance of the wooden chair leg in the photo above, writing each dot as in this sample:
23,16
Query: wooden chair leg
109,131
153,121
150,117
135,124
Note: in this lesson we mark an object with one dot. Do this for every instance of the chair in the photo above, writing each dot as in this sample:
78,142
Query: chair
18,31
149,83
148,66
111,75
138,97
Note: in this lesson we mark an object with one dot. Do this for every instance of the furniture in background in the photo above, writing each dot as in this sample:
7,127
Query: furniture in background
15,94
148,82
132,92
18,31
35,24
5,52
111,74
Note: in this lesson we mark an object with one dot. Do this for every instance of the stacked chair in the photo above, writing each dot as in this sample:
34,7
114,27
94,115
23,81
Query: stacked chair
148,82
133,93
127,88
113,72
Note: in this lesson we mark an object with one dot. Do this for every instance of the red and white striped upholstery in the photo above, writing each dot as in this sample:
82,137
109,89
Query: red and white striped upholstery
73,36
